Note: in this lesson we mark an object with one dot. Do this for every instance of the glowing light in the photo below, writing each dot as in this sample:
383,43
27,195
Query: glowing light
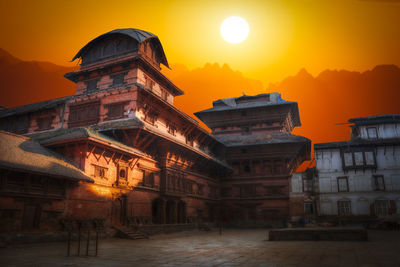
234,29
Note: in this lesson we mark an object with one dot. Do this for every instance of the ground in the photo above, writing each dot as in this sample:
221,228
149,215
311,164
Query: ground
232,248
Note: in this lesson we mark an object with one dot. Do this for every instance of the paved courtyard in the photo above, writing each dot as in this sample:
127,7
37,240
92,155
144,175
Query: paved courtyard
232,248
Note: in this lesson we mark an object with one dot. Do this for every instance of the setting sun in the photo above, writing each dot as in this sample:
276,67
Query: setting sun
234,29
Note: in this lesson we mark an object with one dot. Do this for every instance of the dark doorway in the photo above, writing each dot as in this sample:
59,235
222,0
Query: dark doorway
181,212
157,210
170,212
31,217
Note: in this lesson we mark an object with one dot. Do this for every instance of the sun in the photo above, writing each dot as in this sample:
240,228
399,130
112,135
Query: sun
234,29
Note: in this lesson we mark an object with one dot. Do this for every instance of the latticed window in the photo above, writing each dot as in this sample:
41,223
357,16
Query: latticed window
381,207
118,79
248,190
100,172
343,185
116,110
44,123
91,85
348,159
84,114
308,208
379,182
372,133
344,208
148,178
307,185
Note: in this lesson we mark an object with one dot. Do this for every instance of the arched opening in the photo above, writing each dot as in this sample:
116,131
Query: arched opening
157,209
181,212
170,212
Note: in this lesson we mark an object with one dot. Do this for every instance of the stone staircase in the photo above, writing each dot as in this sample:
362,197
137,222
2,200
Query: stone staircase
129,233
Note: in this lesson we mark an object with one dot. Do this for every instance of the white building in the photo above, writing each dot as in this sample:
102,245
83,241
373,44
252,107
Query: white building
361,176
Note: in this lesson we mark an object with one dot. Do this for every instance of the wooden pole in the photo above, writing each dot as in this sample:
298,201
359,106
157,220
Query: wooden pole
87,242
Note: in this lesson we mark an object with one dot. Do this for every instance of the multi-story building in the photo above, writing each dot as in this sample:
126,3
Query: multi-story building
127,154
263,153
361,177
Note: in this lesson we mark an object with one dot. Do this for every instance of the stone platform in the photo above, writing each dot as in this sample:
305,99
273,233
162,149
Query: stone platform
326,234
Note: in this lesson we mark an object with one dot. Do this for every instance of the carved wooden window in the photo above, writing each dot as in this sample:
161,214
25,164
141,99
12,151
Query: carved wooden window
379,183
151,117
248,190
100,172
190,139
343,184
116,110
226,191
118,79
44,123
308,208
200,189
245,130
189,186
149,82
147,178
344,208
381,207
84,114
171,129
91,85
123,173
164,94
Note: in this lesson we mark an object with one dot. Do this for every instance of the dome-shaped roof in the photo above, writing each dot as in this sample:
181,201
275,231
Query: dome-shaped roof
138,35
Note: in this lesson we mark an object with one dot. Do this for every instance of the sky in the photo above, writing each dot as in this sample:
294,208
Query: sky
285,36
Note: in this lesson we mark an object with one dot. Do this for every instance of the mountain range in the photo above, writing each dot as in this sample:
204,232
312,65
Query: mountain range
326,101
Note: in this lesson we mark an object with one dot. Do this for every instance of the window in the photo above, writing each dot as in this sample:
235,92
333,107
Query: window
243,113
308,208
372,133
44,123
343,185
100,172
149,82
116,110
200,189
123,172
275,190
307,185
151,117
164,94
358,158
348,159
189,187
91,85
84,114
245,130
379,183
118,79
171,129
248,190
190,139
226,192
246,168
381,207
147,179
369,158
344,208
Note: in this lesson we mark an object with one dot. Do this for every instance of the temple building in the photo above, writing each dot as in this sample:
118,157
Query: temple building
119,149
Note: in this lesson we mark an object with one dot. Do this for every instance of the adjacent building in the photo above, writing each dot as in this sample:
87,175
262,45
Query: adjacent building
361,177
256,131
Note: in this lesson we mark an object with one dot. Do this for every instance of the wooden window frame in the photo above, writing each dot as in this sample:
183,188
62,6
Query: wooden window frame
347,183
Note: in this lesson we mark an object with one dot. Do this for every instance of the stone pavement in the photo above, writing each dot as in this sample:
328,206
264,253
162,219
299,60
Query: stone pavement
233,248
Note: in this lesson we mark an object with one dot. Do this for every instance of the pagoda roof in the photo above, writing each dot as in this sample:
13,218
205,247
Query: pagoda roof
23,154
261,139
138,35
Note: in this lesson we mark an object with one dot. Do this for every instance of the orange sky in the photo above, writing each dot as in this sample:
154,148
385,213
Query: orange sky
285,36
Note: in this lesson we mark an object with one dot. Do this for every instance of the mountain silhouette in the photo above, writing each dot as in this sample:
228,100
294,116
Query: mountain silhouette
326,101
24,82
